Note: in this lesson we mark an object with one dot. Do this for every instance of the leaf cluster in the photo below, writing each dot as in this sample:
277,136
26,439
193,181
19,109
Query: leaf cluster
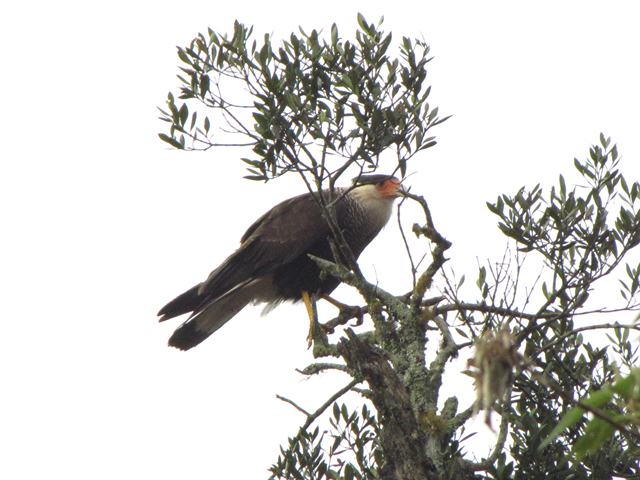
348,450
317,104
621,395
579,242
572,230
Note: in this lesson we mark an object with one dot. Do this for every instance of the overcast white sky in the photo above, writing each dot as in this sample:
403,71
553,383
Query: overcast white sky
103,224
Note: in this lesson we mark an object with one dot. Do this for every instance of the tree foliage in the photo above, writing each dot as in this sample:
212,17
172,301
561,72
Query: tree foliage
317,105
567,402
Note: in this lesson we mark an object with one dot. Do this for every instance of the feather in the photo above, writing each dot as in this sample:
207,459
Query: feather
184,303
277,238
216,313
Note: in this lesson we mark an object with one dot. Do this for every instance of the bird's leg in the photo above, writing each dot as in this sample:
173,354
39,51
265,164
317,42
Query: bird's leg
313,315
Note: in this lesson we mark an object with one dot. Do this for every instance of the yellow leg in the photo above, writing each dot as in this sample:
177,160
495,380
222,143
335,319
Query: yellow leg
334,302
311,311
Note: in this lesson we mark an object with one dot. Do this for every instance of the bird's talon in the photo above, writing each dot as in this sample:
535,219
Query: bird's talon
327,329
358,314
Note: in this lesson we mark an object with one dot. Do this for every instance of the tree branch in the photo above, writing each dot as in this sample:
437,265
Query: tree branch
441,245
294,404
311,417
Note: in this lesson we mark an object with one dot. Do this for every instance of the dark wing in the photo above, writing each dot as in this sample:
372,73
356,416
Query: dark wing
277,238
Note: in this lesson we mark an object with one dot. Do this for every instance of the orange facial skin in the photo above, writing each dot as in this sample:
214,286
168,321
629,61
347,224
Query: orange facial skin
390,188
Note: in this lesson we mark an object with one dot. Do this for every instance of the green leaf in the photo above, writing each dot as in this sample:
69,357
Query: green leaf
462,332
596,433
563,187
255,177
569,419
183,114
171,141
334,34
482,276
349,472
628,387
362,22
599,398
204,85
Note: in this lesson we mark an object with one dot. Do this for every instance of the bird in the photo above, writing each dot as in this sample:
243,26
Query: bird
272,263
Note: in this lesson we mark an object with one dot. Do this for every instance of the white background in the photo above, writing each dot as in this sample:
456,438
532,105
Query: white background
102,224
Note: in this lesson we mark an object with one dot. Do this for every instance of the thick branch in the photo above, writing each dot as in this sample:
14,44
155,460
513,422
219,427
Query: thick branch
316,368
368,290
401,438
448,350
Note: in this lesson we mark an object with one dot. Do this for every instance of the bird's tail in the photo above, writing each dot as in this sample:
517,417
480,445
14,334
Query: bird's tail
187,302
213,316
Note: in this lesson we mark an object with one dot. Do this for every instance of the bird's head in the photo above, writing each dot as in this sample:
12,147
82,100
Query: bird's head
375,195
377,186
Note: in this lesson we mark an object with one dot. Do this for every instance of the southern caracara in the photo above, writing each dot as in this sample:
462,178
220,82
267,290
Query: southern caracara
272,264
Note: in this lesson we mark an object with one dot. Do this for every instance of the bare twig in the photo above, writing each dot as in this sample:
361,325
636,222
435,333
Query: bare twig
312,416
485,308
294,404
406,243
575,331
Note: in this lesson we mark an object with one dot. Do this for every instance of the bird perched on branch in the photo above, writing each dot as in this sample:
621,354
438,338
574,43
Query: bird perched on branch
272,264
